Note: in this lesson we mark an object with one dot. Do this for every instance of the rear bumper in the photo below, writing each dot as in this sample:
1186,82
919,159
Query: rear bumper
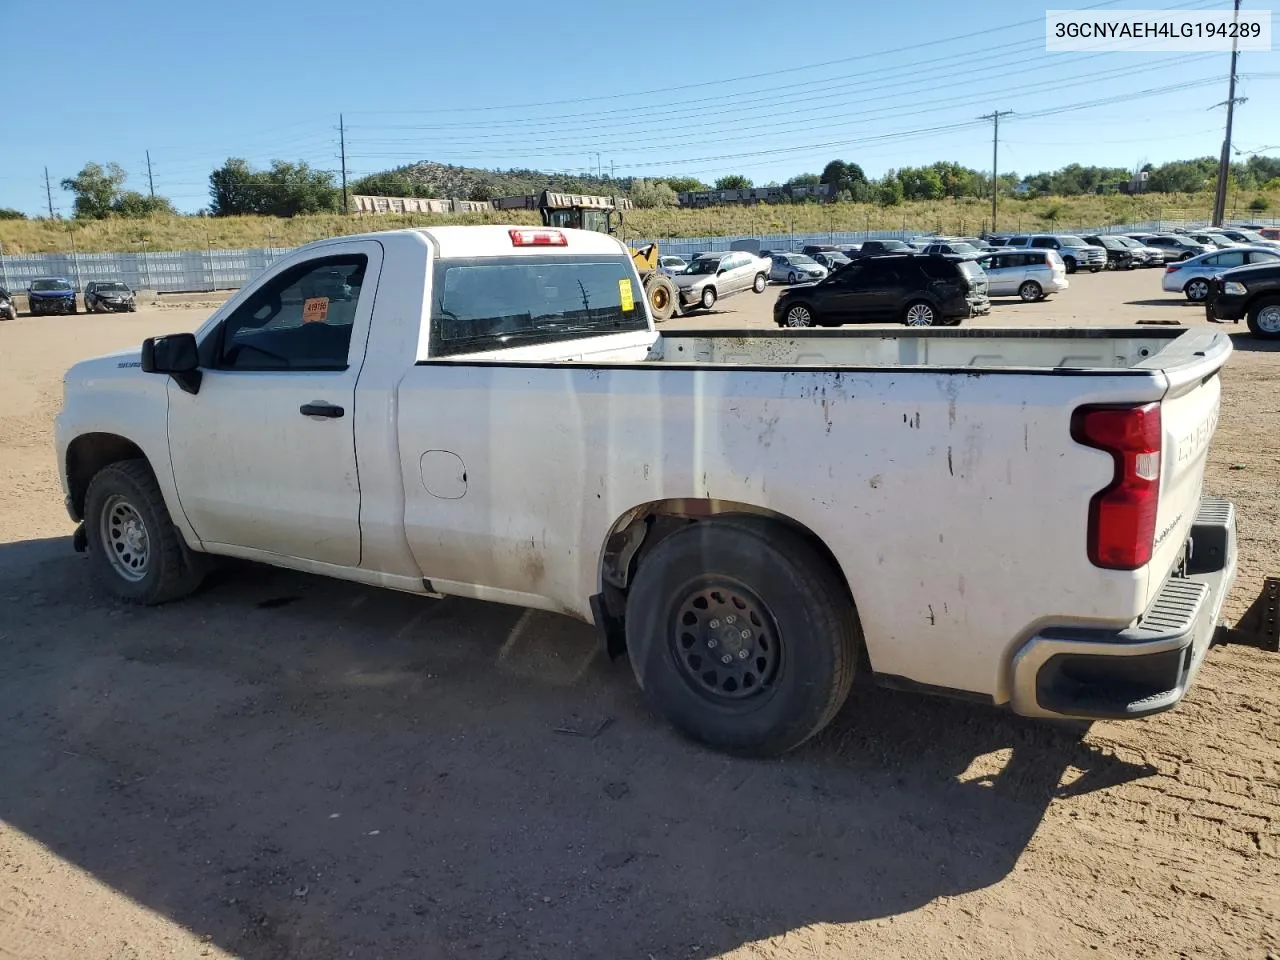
1146,668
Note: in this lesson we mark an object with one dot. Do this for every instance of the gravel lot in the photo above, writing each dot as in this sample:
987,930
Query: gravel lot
290,767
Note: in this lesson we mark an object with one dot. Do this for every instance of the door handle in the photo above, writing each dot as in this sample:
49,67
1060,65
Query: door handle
329,410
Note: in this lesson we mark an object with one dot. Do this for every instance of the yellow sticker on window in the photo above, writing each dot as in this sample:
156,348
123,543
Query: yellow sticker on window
624,293
315,309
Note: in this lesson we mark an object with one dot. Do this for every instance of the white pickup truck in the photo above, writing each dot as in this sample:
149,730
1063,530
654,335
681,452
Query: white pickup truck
1012,516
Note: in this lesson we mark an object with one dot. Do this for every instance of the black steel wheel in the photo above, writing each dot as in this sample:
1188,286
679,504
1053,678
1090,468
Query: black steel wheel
725,639
742,634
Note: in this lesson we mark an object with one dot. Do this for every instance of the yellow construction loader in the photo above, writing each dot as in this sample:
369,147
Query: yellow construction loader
603,215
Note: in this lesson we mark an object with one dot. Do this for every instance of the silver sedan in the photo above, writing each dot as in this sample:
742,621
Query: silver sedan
796,268
1191,277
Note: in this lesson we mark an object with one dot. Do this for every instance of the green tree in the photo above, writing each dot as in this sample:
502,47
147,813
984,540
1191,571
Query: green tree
1183,176
889,190
651,194
805,180
920,183
686,184
845,177
389,184
233,189
95,188
733,181
1258,204
130,203
8,213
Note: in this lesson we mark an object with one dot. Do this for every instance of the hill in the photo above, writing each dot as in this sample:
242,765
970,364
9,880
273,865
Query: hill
427,179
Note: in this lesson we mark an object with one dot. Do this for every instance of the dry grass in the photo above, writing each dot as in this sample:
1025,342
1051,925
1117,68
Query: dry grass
948,216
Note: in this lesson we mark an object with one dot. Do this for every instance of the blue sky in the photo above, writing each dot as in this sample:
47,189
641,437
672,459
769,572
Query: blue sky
765,89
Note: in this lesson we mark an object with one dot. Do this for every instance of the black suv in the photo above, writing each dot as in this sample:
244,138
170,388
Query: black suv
918,290
1119,256
1252,292
878,248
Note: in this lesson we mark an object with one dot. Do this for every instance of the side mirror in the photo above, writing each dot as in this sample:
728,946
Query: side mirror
176,355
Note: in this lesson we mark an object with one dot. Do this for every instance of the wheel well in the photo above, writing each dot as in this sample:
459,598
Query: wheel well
640,529
88,454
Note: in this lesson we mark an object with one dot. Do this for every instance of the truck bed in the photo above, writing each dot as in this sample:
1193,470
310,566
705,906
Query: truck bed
1016,349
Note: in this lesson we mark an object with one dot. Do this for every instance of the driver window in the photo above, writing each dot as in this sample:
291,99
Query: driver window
299,320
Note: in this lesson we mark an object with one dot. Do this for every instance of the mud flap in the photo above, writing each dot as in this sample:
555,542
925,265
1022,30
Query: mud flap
79,539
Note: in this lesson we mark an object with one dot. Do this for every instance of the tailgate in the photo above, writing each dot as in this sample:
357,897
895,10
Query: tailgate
1188,419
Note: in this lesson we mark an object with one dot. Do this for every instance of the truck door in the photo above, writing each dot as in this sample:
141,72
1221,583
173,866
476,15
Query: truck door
264,453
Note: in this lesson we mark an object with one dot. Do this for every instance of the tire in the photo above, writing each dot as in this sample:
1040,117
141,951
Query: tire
1095,269
920,314
662,296
802,655
1196,290
798,316
1070,263
708,298
760,282
791,278
1030,291
122,498
1264,318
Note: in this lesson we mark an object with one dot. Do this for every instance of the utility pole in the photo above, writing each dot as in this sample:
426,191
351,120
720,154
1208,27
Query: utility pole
1224,163
48,192
150,180
994,116
342,145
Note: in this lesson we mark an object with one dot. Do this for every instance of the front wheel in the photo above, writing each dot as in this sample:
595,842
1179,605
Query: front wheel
134,548
708,298
1196,290
799,316
1070,263
1030,291
662,295
791,278
760,283
741,635
1264,319
920,315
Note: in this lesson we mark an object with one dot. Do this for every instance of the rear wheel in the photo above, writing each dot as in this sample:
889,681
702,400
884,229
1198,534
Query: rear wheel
920,314
662,296
1264,319
1196,290
760,283
799,316
708,298
1030,291
741,635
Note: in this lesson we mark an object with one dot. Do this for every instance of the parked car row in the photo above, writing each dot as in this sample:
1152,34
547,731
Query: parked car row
56,295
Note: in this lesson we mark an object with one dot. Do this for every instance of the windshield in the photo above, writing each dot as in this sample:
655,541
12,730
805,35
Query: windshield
50,285
1250,235
896,244
1111,243
1126,242
704,265
497,302
1070,241
963,248
112,286
800,258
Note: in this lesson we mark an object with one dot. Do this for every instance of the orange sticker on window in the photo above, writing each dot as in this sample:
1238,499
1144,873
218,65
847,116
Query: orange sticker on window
315,309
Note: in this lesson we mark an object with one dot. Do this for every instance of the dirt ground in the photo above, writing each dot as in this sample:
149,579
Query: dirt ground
290,767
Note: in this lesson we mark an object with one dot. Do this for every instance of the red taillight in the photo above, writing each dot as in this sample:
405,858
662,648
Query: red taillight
1173,268
538,238
1122,517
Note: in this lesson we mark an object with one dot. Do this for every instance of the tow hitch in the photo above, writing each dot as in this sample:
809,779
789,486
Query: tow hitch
1260,626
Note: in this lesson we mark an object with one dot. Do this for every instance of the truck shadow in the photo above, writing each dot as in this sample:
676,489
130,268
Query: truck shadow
296,767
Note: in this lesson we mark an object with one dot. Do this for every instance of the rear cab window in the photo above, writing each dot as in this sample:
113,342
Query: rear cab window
491,303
